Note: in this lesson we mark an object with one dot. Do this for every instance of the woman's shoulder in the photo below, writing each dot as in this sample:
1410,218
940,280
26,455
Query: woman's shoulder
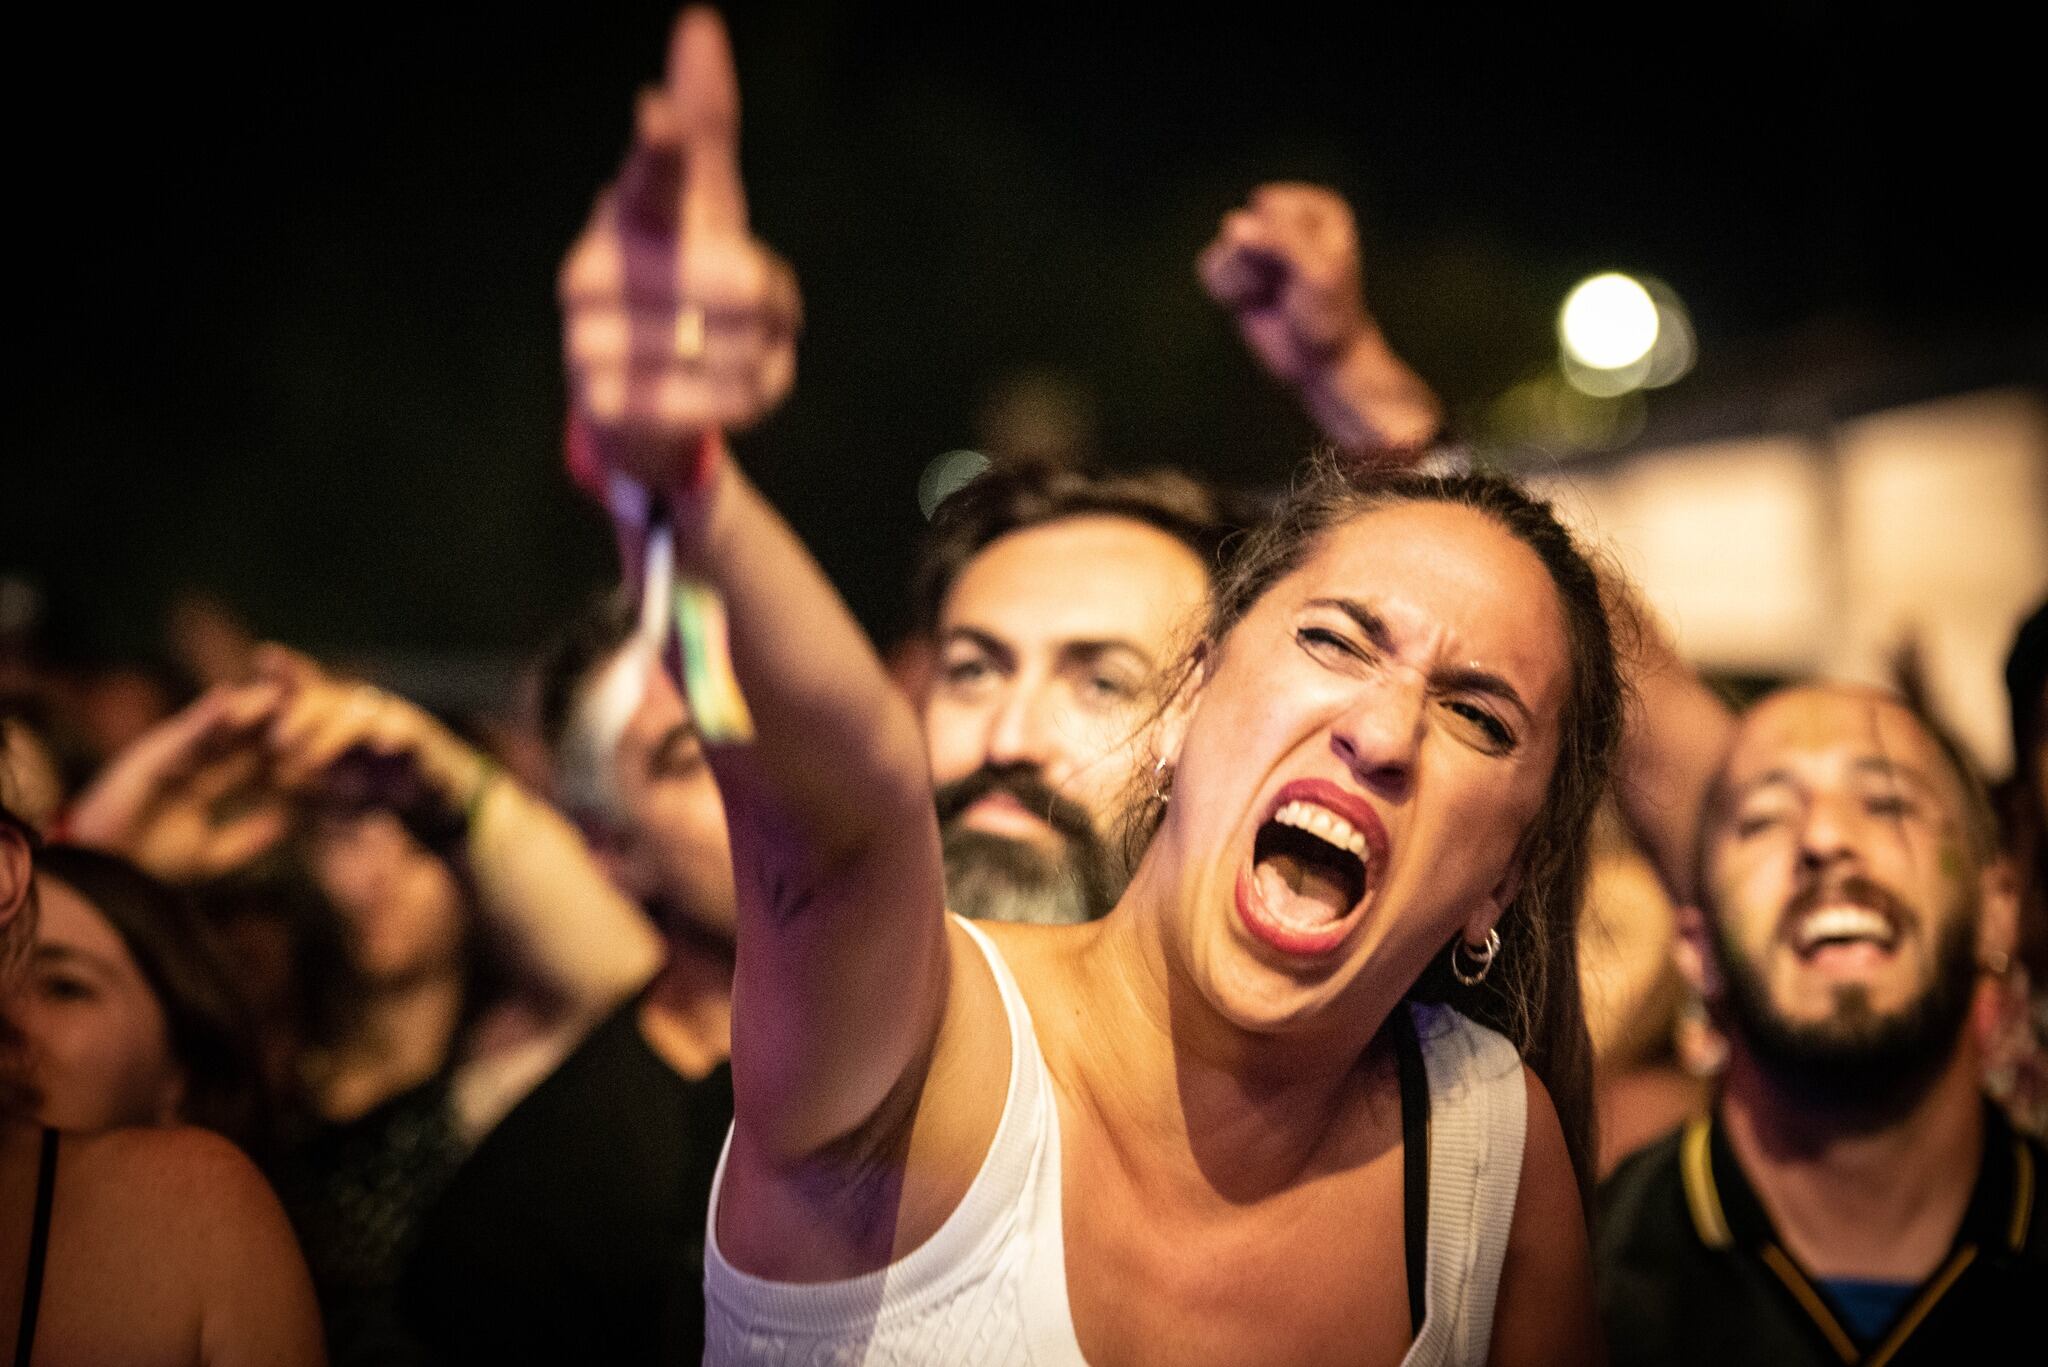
1464,1049
182,1220
161,1165
177,1189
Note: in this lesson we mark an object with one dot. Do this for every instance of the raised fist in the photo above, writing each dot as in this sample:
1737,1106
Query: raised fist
1286,265
676,322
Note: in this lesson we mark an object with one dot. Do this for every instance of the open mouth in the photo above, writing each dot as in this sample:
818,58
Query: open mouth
1309,864
1311,868
1839,925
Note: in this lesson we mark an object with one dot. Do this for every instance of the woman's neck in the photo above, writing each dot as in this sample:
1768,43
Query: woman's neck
404,1037
1250,1112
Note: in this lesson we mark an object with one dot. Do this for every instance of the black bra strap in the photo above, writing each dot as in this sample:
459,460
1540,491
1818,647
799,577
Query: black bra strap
38,1247
1414,1160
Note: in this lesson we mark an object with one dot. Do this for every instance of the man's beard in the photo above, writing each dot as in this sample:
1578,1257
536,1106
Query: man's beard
998,878
1857,1064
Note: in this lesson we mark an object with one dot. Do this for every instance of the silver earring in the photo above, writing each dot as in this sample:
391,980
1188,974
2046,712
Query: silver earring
1481,959
1162,782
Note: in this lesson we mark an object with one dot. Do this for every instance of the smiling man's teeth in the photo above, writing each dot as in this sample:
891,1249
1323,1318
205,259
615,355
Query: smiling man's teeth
1843,923
1324,824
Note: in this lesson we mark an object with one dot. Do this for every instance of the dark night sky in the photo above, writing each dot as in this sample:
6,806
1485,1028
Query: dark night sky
288,282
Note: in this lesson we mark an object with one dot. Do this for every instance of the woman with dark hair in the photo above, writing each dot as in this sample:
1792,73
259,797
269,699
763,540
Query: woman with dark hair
474,941
1314,1090
1281,1086
129,1012
157,1245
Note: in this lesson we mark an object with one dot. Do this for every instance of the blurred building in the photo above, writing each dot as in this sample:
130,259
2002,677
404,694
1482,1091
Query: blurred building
1828,549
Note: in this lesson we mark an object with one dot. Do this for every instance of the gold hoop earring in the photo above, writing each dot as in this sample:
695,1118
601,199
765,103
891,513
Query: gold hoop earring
1481,959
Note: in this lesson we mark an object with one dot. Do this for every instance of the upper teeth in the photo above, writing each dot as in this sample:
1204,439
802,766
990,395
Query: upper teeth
1843,923
1324,824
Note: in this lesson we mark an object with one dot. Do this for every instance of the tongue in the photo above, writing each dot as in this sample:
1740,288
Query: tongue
1301,892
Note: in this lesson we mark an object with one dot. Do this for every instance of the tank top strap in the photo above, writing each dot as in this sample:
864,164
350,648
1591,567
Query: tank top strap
38,1249
1023,1038
1478,1113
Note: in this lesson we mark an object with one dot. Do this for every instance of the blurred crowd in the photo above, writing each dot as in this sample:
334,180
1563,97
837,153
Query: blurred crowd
339,1029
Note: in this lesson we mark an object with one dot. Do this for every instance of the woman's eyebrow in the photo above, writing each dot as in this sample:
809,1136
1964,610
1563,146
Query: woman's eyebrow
1471,678
63,955
1369,623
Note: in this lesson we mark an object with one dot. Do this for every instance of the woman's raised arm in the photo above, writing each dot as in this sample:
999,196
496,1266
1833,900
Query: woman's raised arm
678,325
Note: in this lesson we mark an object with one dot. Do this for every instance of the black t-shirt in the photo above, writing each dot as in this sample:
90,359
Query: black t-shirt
575,1232
1691,1271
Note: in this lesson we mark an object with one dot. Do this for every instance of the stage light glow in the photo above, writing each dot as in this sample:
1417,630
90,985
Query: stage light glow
944,475
1608,322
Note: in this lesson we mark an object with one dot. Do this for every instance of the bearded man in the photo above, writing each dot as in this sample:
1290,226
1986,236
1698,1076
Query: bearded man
1852,1197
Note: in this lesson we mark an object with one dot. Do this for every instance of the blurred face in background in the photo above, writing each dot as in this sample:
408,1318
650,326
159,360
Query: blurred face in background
649,803
403,910
1049,643
98,1046
1843,889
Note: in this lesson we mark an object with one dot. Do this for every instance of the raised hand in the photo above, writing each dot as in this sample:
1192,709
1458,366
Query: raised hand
1287,267
189,801
340,741
676,322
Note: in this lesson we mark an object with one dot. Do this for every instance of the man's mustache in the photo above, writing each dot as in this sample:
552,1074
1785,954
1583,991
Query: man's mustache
1855,890
1022,783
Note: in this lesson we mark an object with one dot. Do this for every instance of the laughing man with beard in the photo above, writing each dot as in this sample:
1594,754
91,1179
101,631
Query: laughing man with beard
1852,1198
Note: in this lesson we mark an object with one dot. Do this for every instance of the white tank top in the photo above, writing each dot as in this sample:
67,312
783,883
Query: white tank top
990,1285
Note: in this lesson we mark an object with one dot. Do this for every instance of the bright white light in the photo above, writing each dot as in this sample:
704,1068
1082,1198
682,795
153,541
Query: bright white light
1608,322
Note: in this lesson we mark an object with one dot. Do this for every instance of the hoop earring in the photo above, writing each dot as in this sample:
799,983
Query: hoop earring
1481,959
1162,782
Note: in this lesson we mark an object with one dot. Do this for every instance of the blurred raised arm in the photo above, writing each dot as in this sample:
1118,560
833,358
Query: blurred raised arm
536,881
1676,736
1287,267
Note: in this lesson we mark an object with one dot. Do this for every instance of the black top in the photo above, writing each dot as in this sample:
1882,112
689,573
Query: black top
38,1249
575,1232
355,1193
1691,1271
